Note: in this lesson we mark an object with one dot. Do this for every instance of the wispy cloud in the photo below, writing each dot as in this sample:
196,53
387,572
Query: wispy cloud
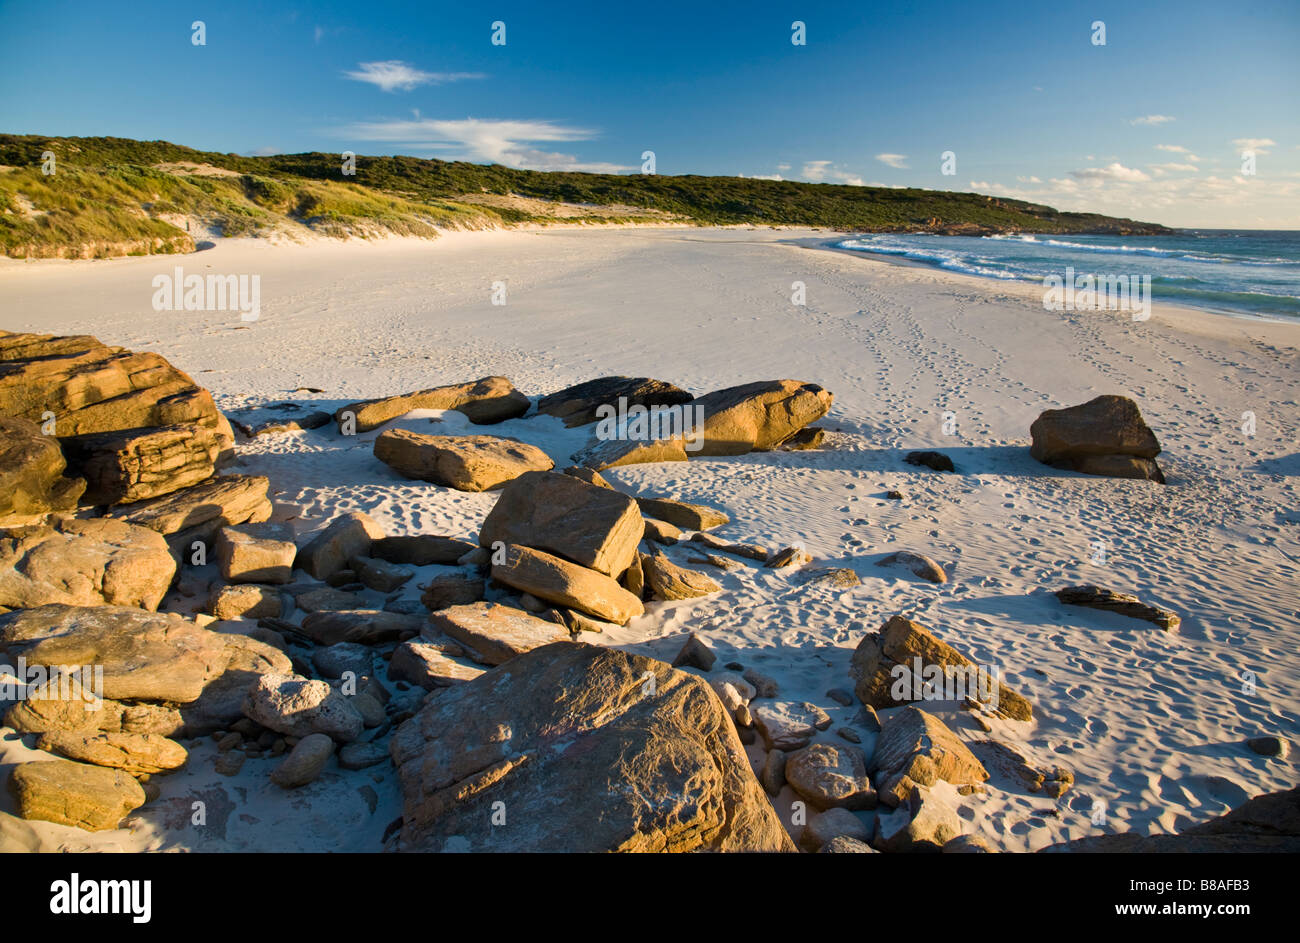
893,160
1178,149
825,171
1152,119
1173,167
394,75
1115,171
1258,145
487,140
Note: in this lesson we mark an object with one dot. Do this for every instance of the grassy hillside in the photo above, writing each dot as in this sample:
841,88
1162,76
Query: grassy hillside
113,196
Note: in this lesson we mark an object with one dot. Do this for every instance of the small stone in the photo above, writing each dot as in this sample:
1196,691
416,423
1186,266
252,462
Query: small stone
822,827
840,696
305,763
849,734
229,763
763,685
380,575
695,654
772,776
1270,746
790,556
935,460
843,844
362,755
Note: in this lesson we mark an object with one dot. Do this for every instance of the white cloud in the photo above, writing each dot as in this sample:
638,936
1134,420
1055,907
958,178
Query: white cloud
1115,171
1173,167
761,176
824,171
782,167
1258,145
1152,119
893,160
1028,180
488,141
1178,149
395,75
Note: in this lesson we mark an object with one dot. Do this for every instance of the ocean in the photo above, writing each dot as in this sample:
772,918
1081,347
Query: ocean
1240,272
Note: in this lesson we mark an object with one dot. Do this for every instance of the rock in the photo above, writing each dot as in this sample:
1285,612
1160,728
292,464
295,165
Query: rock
790,556
788,725
144,655
580,404
221,704
806,439
566,584
894,495
681,514
494,634
466,463
601,454
135,464
334,661
136,753
478,557
371,711
695,654
380,575
750,551
772,776
840,696
830,776
423,665
1104,436
742,687
633,578
577,622
761,684
298,707
918,563
361,755
917,749
67,793
1269,746
1012,761
420,550
255,553
966,845
579,721
661,532
245,601
229,763
277,419
32,480
713,560
453,589
347,536
596,527
305,762
198,512
1095,597
590,476
824,827
933,460
758,416
91,387
328,599
904,662
363,626
849,734
483,402
922,823
83,563
63,706
843,844
868,719
666,580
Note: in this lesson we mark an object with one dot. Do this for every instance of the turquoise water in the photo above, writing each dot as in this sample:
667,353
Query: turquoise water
1252,272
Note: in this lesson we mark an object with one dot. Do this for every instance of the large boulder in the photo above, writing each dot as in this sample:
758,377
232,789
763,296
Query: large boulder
347,536
463,462
484,402
578,405
148,656
83,563
256,553
494,634
558,581
137,753
904,662
76,794
91,387
758,416
586,749
563,515
915,748
298,707
830,776
135,464
1104,436
64,705
682,514
32,480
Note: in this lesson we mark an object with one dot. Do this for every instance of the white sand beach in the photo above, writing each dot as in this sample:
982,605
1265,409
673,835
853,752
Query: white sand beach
1151,723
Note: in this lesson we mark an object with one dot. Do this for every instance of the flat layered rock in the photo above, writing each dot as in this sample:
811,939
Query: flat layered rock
596,527
581,404
466,463
922,823
904,662
915,748
277,419
136,753
1125,604
682,514
84,563
136,464
750,551
68,793
613,453
144,655
566,584
494,634
427,666
758,416
255,553
453,589
203,509
572,739
1104,436
380,575
32,479
363,626
245,601
483,402
788,725
420,549
668,581
347,536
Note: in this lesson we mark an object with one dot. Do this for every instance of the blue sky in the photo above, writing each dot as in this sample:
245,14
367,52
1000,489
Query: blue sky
1152,124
